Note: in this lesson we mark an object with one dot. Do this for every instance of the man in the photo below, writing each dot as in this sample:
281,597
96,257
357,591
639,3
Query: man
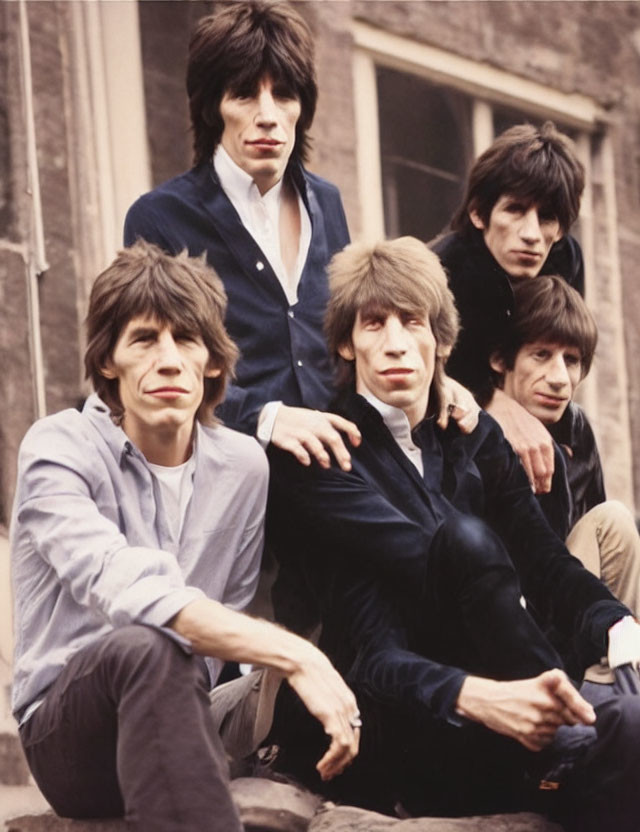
546,352
267,225
420,557
522,198
136,539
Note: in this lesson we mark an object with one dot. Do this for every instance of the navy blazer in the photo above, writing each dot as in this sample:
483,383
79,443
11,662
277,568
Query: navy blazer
363,540
283,351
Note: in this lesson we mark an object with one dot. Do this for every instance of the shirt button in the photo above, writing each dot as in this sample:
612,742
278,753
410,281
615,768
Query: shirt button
508,313
291,313
299,363
259,265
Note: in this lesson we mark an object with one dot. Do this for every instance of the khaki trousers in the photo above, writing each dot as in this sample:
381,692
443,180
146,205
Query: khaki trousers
607,542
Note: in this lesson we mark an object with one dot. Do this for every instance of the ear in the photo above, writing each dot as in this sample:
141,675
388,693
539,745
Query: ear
212,372
497,364
443,351
346,351
559,236
475,218
108,371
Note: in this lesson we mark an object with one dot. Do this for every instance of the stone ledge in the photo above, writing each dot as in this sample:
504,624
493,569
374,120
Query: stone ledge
350,819
270,806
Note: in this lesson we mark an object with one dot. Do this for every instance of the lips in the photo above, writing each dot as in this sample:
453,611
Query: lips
266,143
167,392
554,401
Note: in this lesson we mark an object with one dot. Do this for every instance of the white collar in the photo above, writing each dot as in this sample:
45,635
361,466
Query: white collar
394,418
238,184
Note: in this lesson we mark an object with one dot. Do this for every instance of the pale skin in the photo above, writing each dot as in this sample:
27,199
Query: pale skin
520,235
259,135
160,373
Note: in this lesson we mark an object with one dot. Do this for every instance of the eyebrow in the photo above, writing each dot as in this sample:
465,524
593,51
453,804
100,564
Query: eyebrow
142,330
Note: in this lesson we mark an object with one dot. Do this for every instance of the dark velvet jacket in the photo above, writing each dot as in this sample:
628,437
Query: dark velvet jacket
363,541
485,300
283,352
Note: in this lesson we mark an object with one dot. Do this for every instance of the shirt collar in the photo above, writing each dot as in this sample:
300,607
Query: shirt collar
237,183
116,439
394,418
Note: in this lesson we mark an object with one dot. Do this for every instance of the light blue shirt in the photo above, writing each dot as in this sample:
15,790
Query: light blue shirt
91,548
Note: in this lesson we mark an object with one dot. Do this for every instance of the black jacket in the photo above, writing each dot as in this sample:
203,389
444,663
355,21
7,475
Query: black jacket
578,483
485,301
363,540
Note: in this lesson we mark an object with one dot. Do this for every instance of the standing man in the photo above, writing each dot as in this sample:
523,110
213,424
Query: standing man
266,225
135,540
522,198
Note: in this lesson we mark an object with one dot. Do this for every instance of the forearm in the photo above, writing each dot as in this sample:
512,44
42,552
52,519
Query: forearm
215,630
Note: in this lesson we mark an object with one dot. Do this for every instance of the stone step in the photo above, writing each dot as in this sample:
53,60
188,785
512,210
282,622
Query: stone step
268,806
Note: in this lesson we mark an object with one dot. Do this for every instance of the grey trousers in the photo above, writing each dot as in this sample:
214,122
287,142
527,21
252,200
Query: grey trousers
126,730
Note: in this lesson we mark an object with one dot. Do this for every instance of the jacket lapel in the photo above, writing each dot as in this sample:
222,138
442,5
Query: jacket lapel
224,217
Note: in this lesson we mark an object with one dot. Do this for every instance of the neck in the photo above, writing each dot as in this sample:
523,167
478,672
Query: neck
167,447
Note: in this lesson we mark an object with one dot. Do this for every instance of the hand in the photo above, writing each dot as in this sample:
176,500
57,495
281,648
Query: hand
528,437
624,643
327,697
457,402
527,710
306,433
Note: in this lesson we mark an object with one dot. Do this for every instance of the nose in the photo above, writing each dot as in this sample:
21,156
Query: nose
395,336
557,373
266,114
530,226
168,360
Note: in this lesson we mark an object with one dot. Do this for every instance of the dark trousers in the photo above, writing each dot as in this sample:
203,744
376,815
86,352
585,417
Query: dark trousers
470,617
125,730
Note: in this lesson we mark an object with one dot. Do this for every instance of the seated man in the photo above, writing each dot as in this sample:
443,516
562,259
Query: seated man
523,195
546,352
136,538
420,557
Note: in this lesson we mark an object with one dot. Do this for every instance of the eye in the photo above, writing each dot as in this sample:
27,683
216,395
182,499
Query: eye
515,207
542,354
547,216
372,323
571,359
187,337
284,93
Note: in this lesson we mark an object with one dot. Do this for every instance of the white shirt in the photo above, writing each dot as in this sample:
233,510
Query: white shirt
260,215
398,426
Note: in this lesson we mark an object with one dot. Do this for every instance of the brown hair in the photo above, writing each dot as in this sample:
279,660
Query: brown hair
536,165
179,291
233,50
548,310
400,275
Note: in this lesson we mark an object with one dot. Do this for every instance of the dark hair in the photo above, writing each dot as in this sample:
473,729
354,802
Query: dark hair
550,311
536,165
400,275
179,291
233,50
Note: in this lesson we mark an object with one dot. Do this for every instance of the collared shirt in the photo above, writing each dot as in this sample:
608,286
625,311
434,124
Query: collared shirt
260,215
91,547
398,425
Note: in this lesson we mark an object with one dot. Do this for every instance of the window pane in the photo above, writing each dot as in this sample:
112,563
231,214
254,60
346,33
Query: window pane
425,142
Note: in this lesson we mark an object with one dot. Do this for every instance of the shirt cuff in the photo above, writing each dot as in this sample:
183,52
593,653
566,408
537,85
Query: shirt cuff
266,421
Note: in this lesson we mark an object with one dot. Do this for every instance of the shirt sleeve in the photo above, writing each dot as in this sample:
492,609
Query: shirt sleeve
57,517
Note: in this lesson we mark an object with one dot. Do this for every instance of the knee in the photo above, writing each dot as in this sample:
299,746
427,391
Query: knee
470,542
618,724
137,648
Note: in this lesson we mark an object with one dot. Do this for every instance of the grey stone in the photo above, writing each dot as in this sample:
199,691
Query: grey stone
50,822
349,819
268,805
